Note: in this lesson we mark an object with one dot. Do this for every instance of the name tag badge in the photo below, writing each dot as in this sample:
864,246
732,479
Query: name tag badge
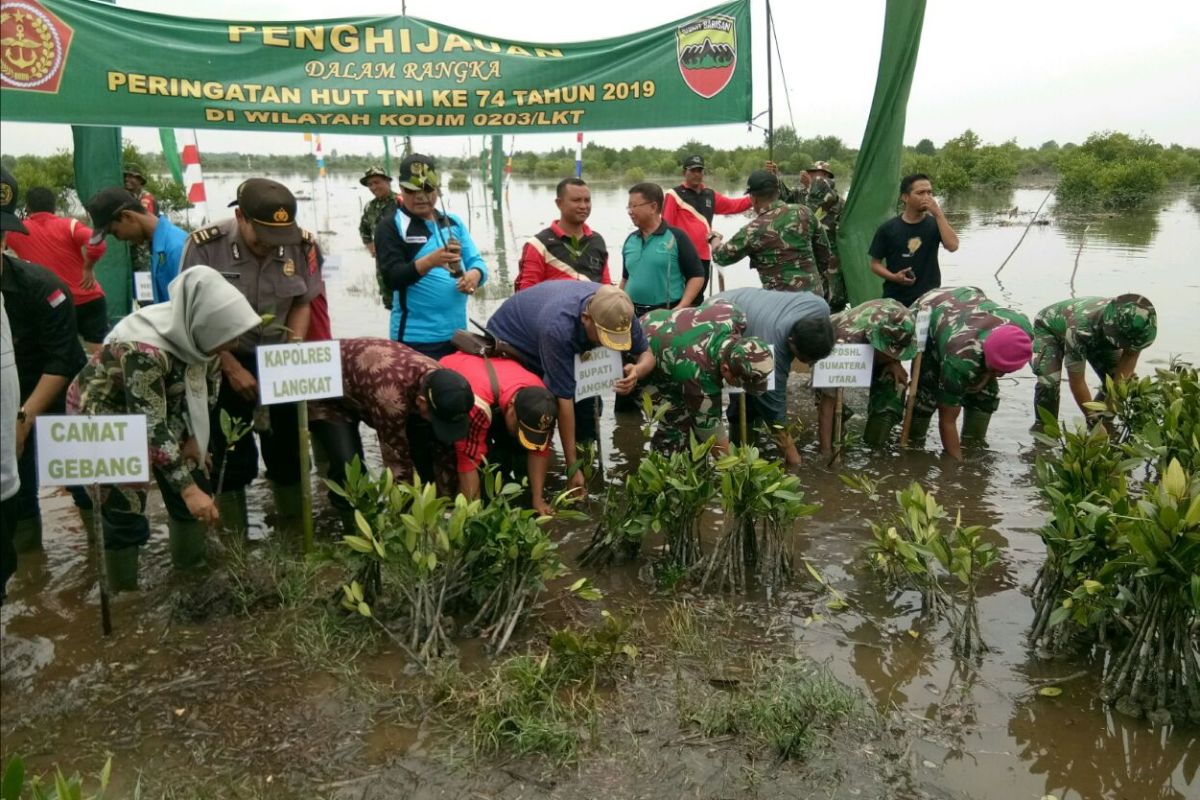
232,276
416,239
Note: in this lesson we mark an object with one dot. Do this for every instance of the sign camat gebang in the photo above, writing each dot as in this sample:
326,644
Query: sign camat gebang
89,63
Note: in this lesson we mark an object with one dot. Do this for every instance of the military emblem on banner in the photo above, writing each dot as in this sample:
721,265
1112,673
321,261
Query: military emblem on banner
707,50
33,46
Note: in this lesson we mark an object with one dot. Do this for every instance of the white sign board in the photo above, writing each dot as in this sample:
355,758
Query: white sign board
728,390
923,318
143,286
596,371
288,373
331,267
847,367
78,450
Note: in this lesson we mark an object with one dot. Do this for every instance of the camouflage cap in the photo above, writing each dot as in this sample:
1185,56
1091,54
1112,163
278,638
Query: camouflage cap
1129,321
135,171
821,166
896,337
374,172
418,174
750,360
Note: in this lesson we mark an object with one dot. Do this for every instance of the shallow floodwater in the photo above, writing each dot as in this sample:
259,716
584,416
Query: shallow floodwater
983,732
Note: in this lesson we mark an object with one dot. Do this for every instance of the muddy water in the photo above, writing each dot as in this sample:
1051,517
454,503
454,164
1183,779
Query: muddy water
982,732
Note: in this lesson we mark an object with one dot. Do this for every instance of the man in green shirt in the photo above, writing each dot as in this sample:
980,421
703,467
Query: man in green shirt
661,268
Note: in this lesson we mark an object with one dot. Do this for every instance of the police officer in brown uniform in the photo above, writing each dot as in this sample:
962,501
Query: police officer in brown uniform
275,264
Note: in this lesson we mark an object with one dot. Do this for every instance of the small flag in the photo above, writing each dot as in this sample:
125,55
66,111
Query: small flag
56,298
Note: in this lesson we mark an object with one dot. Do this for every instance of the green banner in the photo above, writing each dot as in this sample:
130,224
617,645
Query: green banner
77,61
876,187
97,165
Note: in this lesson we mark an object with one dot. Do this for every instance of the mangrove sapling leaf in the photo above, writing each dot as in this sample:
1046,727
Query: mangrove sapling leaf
14,779
761,504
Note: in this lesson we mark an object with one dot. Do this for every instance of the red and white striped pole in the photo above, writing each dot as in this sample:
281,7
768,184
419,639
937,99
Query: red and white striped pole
193,178
579,155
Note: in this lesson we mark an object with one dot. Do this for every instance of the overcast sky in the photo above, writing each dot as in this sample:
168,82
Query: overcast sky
1032,70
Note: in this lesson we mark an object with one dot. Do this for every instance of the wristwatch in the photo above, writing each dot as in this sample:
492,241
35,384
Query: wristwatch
21,416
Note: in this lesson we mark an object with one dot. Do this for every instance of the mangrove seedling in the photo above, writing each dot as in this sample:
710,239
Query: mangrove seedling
762,504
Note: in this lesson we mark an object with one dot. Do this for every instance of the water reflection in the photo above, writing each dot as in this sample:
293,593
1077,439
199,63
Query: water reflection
1132,231
1119,758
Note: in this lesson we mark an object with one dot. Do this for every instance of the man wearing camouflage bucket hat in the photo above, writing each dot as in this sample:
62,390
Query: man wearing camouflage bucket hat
891,329
972,341
1107,333
697,351
383,204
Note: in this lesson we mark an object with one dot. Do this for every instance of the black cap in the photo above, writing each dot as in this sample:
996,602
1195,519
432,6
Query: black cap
271,208
9,221
692,162
105,206
537,411
761,181
375,172
450,401
135,171
418,174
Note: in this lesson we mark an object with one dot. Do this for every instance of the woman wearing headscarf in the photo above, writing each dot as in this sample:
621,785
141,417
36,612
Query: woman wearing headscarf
161,361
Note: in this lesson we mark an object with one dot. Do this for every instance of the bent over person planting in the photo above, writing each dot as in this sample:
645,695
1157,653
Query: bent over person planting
890,329
972,341
1109,334
697,351
162,361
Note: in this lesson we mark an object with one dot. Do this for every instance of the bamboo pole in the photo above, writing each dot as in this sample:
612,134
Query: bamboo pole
1026,233
910,403
96,545
599,438
742,426
306,498
837,427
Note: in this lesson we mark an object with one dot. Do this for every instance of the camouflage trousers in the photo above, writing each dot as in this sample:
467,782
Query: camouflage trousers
984,401
674,431
1048,366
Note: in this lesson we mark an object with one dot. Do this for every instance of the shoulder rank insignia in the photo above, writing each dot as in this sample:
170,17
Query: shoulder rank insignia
206,234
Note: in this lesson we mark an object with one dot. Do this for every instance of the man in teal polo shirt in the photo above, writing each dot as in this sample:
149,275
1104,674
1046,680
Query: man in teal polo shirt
661,266
115,211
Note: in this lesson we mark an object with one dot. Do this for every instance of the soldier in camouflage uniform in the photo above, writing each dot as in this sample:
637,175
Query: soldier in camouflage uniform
697,351
1107,333
890,328
972,341
818,192
383,204
784,244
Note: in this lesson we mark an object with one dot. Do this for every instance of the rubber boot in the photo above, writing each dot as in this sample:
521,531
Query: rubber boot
27,536
349,523
975,425
287,508
232,507
917,430
878,430
188,543
87,517
122,567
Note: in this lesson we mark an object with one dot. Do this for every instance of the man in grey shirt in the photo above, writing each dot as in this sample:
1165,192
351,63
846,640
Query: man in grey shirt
797,325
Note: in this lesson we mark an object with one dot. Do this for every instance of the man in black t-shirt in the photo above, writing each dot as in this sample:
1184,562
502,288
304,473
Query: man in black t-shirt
904,251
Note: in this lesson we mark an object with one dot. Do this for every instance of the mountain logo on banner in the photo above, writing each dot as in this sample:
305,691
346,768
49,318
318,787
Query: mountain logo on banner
33,46
707,50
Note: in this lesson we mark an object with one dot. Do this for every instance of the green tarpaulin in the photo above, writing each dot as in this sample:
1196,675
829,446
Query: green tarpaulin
97,165
80,62
171,153
876,186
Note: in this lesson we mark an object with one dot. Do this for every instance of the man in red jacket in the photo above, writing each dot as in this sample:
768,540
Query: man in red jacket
63,245
568,249
691,206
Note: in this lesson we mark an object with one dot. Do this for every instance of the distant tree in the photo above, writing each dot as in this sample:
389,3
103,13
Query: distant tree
925,147
1049,145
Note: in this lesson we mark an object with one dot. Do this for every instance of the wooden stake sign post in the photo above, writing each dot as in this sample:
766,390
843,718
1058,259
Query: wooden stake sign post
914,377
848,366
297,373
88,451
596,372
730,391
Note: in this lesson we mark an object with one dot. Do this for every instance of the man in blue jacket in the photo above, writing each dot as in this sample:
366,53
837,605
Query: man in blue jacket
116,212
429,260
